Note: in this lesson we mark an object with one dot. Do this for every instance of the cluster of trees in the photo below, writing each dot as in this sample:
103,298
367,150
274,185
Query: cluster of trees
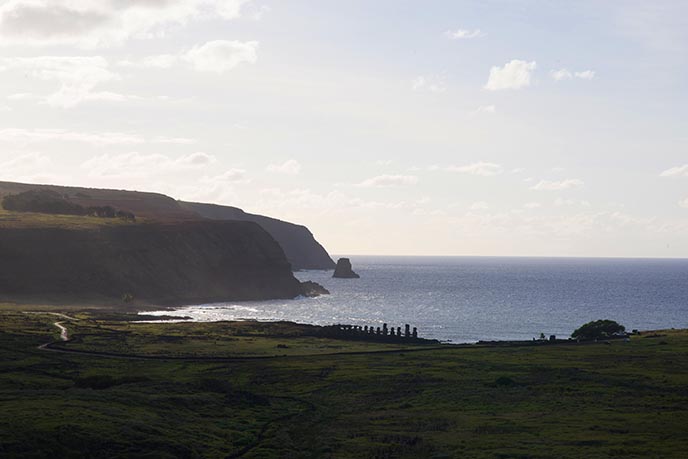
52,202
599,329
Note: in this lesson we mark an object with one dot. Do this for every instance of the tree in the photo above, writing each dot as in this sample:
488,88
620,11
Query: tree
598,329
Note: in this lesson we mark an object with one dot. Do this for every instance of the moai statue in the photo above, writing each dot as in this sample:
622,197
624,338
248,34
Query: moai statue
384,329
407,331
399,332
378,331
365,329
391,331
415,332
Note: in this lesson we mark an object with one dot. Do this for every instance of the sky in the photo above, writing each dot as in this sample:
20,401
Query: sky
393,127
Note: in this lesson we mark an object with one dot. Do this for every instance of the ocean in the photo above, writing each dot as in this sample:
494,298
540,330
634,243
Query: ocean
467,299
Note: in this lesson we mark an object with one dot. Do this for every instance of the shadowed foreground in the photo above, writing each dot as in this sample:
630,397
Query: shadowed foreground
597,400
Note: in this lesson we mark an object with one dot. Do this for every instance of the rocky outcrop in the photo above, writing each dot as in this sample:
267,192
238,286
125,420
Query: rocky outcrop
313,289
344,270
165,263
300,247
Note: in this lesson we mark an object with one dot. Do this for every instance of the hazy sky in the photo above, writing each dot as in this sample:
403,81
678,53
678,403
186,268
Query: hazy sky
387,127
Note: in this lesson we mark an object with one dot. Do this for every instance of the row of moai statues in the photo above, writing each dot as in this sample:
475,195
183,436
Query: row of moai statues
381,331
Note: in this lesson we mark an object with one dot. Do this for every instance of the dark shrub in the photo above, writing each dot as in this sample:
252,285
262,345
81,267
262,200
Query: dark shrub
598,329
42,201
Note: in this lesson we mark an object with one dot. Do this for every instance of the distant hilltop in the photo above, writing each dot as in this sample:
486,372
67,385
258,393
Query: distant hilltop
69,242
301,248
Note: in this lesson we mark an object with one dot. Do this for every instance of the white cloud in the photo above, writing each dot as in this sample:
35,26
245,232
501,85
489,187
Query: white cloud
91,23
386,181
23,162
546,185
514,75
480,168
560,202
485,109
561,74
289,167
261,12
585,74
532,205
217,56
480,205
678,171
430,83
78,77
198,159
463,34
141,166
683,203
220,56
565,74
233,175
29,136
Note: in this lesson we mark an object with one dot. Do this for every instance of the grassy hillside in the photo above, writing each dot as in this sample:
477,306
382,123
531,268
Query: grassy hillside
567,401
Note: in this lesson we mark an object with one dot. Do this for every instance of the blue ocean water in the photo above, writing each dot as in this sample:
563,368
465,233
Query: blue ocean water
466,299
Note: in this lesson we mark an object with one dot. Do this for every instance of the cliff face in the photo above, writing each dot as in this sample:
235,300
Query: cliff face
183,262
300,247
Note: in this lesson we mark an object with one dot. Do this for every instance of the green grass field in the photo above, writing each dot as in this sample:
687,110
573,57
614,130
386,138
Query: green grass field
565,401
10,219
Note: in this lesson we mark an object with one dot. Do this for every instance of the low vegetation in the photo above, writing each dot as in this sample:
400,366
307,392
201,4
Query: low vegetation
627,399
52,202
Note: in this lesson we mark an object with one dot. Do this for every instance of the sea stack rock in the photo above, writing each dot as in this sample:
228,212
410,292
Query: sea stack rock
344,271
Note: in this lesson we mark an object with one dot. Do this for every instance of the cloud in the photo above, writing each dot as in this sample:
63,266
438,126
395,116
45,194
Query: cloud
560,202
565,74
218,56
26,161
532,205
233,175
197,159
678,171
387,181
91,23
485,109
463,34
430,83
480,205
140,165
77,76
546,185
585,74
514,75
561,74
30,136
261,12
683,203
289,167
481,168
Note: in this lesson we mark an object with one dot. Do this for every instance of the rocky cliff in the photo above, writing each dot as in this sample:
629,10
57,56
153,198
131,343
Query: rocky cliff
344,270
181,262
300,247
